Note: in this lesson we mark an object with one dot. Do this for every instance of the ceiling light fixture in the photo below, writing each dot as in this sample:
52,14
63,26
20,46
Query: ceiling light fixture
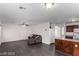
49,5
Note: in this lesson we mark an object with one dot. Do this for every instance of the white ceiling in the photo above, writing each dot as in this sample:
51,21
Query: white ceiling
37,13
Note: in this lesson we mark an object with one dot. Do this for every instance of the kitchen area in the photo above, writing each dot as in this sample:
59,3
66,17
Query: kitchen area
69,45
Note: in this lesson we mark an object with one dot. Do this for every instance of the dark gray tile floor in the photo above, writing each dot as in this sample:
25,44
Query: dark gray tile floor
57,53
20,48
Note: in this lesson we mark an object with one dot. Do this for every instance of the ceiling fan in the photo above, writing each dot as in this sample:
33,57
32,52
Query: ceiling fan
49,5
21,7
24,24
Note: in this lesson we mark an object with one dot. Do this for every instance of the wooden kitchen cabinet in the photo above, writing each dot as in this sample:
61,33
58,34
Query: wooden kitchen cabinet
70,28
58,44
68,47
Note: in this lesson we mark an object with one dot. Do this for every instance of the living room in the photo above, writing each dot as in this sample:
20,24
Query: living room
31,29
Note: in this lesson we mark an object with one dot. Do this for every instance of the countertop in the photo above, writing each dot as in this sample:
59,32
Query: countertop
74,40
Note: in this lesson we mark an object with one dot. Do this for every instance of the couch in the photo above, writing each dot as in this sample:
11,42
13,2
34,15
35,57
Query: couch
34,39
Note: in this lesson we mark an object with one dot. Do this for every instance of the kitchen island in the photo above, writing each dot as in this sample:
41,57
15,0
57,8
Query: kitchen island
67,46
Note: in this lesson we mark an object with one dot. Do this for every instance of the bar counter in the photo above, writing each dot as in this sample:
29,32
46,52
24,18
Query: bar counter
67,46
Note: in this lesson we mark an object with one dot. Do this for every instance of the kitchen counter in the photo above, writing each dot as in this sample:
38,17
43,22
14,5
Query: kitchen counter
67,46
74,40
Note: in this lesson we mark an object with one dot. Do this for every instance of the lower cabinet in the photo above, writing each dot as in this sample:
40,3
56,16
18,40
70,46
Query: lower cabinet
58,45
67,47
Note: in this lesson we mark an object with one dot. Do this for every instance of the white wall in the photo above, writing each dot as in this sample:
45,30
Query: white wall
13,32
0,35
60,31
52,33
49,35
57,31
43,30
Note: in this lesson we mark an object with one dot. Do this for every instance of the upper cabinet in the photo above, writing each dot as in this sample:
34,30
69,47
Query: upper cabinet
70,28
71,31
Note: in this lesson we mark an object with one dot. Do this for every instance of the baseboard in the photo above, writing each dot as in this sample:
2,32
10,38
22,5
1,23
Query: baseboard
13,41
